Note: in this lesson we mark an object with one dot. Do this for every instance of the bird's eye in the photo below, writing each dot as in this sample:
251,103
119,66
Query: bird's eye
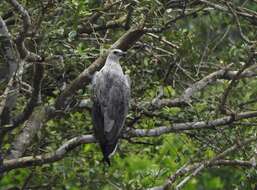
115,52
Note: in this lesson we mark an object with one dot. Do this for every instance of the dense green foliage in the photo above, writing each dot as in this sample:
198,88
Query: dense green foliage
200,44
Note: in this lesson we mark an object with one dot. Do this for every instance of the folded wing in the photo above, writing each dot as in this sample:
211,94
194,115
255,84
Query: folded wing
111,93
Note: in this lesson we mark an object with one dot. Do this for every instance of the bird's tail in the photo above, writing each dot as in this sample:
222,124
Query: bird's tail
106,160
105,151
108,150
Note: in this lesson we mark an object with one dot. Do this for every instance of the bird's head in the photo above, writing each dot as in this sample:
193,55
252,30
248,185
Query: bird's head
116,54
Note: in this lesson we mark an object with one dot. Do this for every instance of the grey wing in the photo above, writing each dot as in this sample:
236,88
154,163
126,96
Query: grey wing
117,109
98,120
99,104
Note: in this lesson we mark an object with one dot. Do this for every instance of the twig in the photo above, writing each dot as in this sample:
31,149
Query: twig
233,83
185,98
50,157
205,164
4,96
24,52
249,16
179,127
162,39
245,38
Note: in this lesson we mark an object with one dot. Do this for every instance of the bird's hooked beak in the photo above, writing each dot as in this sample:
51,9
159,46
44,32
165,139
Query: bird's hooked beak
123,54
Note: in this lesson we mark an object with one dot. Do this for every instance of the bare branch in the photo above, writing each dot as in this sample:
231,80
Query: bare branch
84,139
3,98
47,158
35,96
244,37
195,168
179,127
118,23
26,136
93,18
185,98
249,16
11,57
8,49
208,163
169,23
162,39
25,17
233,83
24,52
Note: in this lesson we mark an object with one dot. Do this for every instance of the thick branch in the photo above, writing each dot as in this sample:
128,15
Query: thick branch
4,97
185,169
35,96
25,17
24,52
28,133
84,139
218,160
185,98
233,83
10,55
207,163
47,158
251,17
7,49
95,16
178,127
109,25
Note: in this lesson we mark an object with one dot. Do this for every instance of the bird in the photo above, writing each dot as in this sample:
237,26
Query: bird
111,95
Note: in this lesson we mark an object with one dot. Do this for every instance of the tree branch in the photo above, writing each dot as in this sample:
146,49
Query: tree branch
233,83
185,98
85,139
26,136
179,127
11,57
8,49
35,96
208,163
47,158
24,52
195,168
251,17
245,38
118,23
93,18
3,99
